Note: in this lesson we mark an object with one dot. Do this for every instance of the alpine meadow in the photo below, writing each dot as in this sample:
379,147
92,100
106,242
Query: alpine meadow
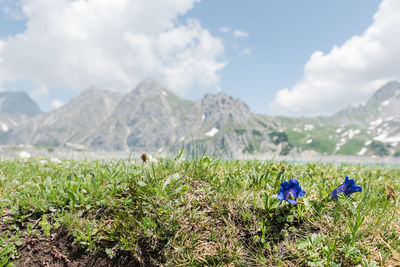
195,212
199,133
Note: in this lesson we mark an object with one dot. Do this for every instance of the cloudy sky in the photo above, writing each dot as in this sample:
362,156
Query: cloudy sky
285,57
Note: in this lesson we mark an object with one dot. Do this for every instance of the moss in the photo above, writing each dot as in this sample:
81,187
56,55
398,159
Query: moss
249,149
256,133
278,137
239,131
261,123
286,149
379,148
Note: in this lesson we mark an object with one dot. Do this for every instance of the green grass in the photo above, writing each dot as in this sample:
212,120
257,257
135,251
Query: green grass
352,147
204,211
320,141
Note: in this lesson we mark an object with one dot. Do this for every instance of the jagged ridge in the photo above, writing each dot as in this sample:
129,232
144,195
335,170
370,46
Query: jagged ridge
152,118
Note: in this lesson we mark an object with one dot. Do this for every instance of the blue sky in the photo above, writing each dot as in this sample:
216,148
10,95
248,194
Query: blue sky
252,50
282,36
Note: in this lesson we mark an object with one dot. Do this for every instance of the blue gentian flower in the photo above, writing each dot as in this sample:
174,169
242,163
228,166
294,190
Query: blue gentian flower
290,191
348,187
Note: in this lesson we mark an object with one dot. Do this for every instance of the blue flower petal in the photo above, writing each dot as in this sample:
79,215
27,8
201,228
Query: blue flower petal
281,196
356,188
349,182
301,193
290,191
334,194
296,189
348,187
291,201
285,185
294,182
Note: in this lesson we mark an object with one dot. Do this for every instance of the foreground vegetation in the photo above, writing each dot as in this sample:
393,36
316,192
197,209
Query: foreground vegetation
201,211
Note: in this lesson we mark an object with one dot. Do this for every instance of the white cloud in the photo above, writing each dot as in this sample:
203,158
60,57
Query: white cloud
113,44
240,34
246,51
224,29
1,70
57,103
349,73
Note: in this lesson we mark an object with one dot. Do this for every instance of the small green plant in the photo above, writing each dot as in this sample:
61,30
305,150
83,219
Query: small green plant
9,248
45,225
354,224
30,231
86,236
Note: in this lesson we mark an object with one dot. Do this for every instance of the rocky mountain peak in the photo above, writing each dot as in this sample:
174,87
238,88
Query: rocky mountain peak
18,103
92,98
384,103
222,101
150,88
153,119
387,91
221,108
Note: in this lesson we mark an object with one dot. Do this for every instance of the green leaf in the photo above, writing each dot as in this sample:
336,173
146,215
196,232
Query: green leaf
71,196
183,189
141,184
180,152
205,161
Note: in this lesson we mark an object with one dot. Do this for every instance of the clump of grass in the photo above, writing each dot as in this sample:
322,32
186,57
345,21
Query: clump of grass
204,211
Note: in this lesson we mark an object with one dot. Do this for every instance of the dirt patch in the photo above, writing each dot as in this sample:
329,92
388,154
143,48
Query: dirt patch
59,250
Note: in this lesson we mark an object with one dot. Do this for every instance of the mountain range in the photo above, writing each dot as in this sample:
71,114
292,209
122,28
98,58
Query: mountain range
151,118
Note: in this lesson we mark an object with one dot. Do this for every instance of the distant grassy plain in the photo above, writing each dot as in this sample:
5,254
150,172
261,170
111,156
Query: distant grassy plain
196,212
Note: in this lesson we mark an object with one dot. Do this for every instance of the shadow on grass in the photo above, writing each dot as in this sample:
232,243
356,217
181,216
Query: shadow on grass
278,228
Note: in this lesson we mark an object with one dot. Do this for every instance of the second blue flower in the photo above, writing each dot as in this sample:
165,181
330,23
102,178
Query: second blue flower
348,187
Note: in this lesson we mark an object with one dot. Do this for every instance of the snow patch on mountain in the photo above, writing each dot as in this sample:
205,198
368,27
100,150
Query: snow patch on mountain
212,132
376,122
308,127
3,127
341,143
362,151
384,138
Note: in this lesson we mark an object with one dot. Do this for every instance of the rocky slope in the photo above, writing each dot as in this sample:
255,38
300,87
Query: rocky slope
148,118
151,118
15,108
69,125
18,103
369,129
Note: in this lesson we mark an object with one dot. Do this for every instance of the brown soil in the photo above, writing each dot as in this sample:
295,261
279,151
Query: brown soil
59,250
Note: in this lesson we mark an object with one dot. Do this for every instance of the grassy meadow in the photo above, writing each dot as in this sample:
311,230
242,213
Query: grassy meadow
197,212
